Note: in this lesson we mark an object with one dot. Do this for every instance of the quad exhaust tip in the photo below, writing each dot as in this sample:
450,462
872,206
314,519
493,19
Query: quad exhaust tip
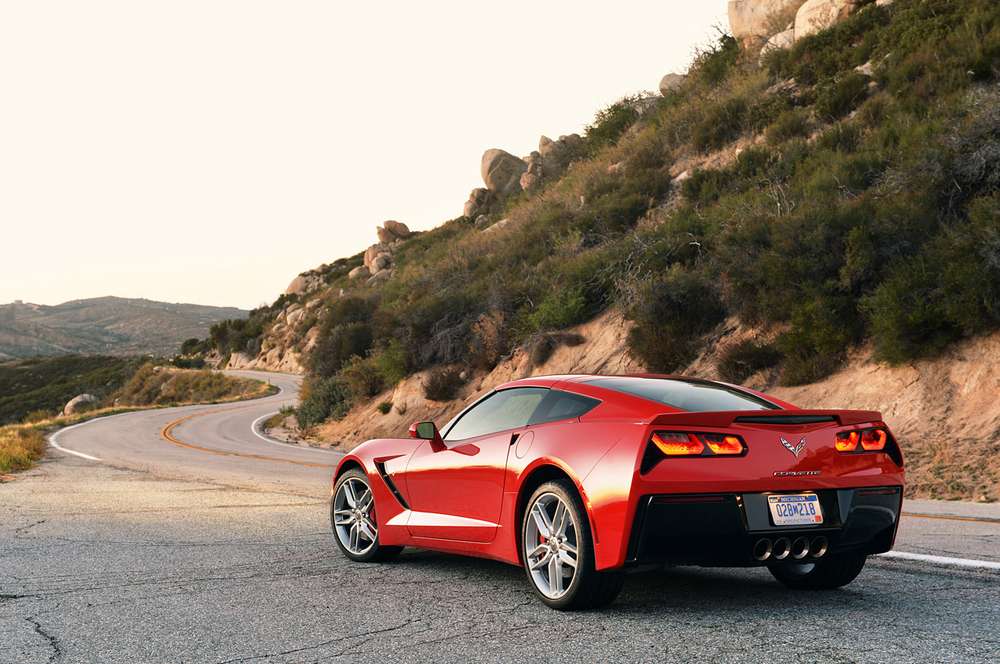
781,548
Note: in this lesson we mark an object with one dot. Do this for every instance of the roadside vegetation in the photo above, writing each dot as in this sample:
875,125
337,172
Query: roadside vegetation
857,198
38,388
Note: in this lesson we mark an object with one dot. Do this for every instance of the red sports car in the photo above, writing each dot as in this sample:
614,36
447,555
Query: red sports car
578,478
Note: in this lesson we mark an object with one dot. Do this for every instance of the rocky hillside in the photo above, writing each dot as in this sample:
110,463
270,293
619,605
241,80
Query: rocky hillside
812,208
104,325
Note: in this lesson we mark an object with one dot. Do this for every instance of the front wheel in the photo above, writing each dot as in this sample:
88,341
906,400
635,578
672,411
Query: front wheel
558,553
827,573
352,517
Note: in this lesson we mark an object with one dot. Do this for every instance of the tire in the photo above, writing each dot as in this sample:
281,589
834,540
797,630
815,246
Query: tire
356,535
827,573
587,588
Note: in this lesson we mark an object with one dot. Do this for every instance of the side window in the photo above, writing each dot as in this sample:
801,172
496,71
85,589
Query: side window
500,411
562,406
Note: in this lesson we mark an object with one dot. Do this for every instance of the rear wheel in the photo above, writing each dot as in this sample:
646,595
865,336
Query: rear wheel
556,546
827,573
352,517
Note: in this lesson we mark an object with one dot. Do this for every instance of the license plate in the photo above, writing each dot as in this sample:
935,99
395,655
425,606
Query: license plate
797,509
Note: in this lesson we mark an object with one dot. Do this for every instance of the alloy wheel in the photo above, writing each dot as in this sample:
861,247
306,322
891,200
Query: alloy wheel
551,545
354,516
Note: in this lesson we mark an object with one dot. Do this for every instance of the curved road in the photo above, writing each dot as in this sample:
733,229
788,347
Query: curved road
222,552
214,443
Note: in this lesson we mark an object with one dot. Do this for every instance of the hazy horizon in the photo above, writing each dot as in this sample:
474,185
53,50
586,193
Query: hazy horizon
208,152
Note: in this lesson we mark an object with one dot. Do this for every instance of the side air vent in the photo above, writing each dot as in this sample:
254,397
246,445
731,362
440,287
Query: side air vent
392,486
785,419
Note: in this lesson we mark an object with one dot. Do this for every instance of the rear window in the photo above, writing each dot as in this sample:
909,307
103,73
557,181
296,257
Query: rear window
695,397
562,406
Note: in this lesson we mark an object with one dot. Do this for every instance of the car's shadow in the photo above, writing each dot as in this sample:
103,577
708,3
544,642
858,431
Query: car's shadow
694,590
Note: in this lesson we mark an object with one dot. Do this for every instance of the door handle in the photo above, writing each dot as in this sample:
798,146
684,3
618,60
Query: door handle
514,437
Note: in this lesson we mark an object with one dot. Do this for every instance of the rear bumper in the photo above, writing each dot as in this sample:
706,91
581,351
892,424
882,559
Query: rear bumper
722,529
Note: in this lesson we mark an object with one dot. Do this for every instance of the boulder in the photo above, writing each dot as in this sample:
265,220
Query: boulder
781,40
501,171
392,231
479,200
360,272
381,262
304,283
379,277
817,15
752,21
532,177
80,403
670,83
482,221
497,226
397,228
371,253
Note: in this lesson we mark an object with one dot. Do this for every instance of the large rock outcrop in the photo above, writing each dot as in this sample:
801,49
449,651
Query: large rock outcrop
817,15
753,21
80,403
502,171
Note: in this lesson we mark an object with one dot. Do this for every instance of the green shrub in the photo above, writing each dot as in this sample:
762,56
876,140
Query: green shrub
610,123
443,383
712,64
837,98
362,379
385,407
822,328
391,362
744,359
323,399
790,124
670,314
951,290
559,310
720,124
336,345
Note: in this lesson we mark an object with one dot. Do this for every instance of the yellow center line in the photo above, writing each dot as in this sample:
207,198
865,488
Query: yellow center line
168,435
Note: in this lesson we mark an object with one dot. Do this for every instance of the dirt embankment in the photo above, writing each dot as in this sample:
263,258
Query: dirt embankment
946,411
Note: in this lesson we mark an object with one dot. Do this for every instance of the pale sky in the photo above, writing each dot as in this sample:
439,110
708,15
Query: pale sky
208,151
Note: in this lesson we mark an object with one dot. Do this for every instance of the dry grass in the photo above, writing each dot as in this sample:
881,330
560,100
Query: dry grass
20,448
948,469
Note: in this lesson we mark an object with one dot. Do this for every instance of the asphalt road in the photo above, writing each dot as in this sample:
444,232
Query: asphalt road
216,548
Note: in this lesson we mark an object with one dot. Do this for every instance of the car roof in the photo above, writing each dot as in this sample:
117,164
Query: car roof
569,381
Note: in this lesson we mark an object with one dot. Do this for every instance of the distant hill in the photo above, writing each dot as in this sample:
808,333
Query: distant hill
104,325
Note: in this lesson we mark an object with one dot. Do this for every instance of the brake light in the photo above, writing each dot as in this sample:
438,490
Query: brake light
847,441
682,443
872,439
724,445
678,444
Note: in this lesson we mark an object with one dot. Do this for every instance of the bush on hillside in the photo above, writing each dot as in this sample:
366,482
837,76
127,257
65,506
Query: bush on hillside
670,315
322,399
744,359
443,383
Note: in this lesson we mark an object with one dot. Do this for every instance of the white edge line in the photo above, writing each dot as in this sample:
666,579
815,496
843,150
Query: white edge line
254,427
943,560
54,442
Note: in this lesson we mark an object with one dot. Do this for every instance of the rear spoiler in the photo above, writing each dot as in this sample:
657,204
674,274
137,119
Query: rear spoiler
767,417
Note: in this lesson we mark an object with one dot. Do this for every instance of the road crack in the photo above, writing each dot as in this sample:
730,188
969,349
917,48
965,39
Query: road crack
53,642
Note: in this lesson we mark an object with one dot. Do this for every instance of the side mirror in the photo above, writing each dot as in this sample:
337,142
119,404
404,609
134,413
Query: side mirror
427,431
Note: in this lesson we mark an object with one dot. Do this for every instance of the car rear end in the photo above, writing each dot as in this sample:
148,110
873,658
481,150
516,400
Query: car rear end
758,486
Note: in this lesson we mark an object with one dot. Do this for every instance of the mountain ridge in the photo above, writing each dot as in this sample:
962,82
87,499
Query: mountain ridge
104,325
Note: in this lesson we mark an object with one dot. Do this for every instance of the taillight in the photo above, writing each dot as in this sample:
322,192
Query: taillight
847,441
682,443
871,440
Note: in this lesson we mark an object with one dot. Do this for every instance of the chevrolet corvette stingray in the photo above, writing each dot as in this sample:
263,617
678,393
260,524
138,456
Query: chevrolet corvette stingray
578,478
